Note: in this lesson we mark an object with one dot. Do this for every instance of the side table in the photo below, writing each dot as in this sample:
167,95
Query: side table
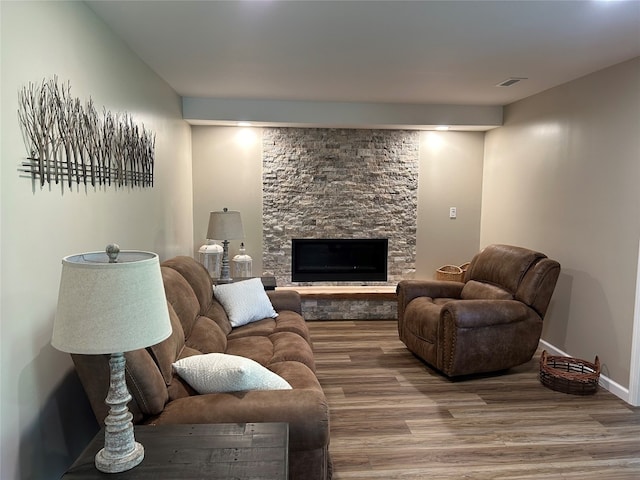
208,451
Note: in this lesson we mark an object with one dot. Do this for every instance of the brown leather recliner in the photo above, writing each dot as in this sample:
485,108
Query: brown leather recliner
490,322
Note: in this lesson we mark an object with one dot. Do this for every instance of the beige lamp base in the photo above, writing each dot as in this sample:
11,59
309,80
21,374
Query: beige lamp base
121,452
108,464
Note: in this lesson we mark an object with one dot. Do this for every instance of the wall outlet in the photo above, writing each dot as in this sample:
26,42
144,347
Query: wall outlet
453,212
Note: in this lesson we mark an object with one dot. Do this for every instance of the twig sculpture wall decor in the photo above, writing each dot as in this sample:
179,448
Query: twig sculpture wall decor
70,141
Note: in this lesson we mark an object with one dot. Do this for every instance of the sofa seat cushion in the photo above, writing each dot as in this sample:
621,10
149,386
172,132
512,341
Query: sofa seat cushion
296,374
287,321
288,346
277,347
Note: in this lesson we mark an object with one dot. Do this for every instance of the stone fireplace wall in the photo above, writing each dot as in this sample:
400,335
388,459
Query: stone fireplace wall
339,183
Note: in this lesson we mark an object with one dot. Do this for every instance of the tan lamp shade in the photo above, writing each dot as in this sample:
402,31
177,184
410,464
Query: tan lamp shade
225,225
110,307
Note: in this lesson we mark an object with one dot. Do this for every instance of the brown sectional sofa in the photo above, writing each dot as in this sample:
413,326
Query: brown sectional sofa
200,325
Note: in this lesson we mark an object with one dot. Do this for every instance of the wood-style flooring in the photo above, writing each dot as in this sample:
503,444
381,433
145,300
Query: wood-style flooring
392,417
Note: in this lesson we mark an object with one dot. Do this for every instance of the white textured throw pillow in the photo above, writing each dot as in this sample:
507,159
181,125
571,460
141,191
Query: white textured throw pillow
244,301
219,372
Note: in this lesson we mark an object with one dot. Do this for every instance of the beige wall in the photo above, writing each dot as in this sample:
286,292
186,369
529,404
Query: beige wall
561,176
45,421
450,176
227,172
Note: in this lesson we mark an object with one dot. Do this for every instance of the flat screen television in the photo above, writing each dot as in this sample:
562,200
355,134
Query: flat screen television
336,260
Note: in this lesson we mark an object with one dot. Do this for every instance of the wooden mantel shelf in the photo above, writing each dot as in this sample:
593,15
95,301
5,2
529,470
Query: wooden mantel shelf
380,292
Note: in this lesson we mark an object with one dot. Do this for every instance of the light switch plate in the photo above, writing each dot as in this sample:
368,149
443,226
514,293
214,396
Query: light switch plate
453,212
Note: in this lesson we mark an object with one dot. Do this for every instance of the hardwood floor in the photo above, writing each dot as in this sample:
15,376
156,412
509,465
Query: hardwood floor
392,417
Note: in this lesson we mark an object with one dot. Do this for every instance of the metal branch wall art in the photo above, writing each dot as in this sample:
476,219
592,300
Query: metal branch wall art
68,141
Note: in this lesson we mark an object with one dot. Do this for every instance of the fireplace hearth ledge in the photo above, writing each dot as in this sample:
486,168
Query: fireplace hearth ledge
347,292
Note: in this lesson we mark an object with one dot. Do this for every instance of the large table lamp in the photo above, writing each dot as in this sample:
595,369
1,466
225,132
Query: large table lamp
225,225
110,303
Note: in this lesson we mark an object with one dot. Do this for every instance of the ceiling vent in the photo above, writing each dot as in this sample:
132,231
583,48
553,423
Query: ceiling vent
510,81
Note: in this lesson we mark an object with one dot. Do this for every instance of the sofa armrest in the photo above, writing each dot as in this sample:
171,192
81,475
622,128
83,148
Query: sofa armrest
285,300
305,410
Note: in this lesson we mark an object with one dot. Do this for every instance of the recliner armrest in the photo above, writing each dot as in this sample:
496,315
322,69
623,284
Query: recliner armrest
485,313
408,290
478,336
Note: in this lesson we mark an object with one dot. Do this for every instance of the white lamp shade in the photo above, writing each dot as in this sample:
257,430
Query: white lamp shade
225,225
110,307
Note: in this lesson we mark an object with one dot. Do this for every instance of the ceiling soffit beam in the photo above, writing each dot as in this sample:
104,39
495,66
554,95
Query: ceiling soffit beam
220,111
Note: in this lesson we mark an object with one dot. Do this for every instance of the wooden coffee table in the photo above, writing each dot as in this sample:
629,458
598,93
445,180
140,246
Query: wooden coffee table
211,451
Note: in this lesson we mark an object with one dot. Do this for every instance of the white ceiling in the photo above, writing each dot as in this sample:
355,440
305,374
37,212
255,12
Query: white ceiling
420,52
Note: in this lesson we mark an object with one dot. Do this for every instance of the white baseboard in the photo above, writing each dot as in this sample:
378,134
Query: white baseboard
605,382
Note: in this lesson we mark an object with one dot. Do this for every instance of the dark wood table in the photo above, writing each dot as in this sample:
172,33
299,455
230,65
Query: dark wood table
213,451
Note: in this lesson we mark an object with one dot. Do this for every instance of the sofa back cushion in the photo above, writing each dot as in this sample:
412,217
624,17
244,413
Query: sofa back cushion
196,276
199,282
167,351
201,333
206,336
181,297
218,314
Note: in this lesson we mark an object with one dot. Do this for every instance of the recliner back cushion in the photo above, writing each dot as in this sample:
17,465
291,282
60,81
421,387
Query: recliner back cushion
502,265
474,290
538,285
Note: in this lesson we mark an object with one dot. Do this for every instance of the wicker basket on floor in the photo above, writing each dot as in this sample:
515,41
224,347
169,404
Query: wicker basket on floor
450,273
569,375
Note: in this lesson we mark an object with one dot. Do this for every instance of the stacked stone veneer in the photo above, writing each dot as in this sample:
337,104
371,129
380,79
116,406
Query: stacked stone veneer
339,183
349,309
